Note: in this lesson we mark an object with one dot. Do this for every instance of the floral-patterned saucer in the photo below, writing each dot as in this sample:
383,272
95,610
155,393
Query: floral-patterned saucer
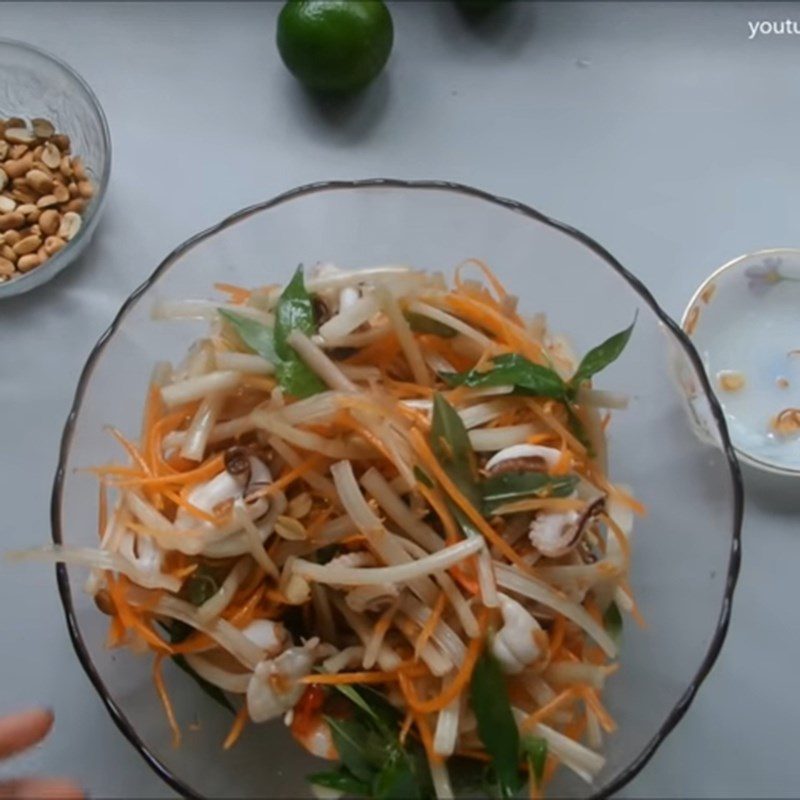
744,321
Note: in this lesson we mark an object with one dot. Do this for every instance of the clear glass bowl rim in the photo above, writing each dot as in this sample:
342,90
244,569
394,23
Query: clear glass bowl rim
734,559
61,259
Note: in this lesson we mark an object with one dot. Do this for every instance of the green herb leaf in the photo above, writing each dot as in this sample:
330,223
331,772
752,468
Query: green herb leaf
295,312
396,780
419,323
342,781
535,750
598,358
612,621
512,370
496,726
350,738
258,337
452,448
510,486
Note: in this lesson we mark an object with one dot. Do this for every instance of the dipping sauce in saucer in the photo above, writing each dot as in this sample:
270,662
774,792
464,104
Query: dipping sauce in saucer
744,321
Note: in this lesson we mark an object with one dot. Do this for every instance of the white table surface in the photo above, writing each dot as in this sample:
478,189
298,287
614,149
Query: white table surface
657,128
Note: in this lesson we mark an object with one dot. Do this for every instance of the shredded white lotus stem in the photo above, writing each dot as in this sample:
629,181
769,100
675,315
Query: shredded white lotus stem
206,310
601,399
235,682
585,763
514,581
445,637
388,659
441,780
220,630
380,540
323,612
359,339
216,604
230,429
375,642
345,659
316,359
194,445
255,541
346,321
446,733
313,478
481,413
306,440
399,512
408,343
425,310
490,440
567,673
198,387
438,662
98,559
460,606
249,363
486,580
400,573
340,278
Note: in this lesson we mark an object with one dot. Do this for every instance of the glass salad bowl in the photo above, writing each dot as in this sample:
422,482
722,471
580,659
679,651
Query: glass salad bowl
686,549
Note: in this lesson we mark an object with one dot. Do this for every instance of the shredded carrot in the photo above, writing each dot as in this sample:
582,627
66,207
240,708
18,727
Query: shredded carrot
207,470
239,723
436,502
430,624
238,294
131,449
351,677
196,512
495,282
427,737
290,477
161,688
549,419
432,465
557,636
408,721
619,535
603,717
102,510
559,701
458,683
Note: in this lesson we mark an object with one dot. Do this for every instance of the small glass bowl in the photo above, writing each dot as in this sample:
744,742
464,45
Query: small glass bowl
743,321
34,83
686,553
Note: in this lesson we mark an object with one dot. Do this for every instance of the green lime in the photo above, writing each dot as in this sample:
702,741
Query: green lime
335,45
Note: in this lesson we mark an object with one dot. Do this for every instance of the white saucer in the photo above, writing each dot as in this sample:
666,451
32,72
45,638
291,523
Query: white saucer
744,321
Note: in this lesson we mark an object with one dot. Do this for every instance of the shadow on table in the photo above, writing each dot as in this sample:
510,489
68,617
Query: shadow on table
341,119
775,493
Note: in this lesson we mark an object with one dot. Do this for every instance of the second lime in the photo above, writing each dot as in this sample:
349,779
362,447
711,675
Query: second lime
335,45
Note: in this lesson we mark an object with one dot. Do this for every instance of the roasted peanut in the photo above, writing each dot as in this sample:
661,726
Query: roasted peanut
52,244
11,220
6,267
28,262
27,245
49,221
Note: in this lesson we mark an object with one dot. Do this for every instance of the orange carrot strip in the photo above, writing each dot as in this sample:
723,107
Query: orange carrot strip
603,717
559,701
238,294
131,449
459,682
207,470
427,738
433,466
351,677
430,624
291,476
620,536
161,688
238,726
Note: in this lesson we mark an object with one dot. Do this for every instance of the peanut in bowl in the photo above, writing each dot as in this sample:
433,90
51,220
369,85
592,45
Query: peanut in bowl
55,161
